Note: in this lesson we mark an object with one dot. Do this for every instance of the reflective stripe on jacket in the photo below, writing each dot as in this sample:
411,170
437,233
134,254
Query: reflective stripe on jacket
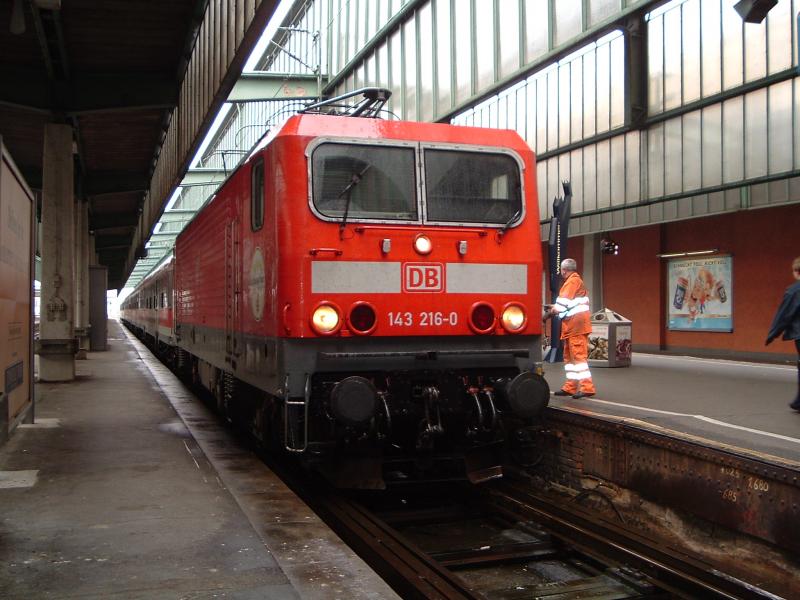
573,307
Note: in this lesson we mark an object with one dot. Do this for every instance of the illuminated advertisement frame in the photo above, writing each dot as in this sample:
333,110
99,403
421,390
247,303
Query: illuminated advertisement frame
700,294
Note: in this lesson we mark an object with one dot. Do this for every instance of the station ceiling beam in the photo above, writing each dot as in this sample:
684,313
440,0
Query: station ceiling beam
225,38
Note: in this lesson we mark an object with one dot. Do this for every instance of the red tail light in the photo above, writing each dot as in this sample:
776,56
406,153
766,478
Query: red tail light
362,319
482,318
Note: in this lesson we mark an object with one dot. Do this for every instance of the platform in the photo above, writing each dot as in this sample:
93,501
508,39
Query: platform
739,404
127,487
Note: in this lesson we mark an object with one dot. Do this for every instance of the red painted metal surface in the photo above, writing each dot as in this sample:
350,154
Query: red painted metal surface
268,272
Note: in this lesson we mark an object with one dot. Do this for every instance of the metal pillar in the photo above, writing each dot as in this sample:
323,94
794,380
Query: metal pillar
93,260
82,278
56,347
98,312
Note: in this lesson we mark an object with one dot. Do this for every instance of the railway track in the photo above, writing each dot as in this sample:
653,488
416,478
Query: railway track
501,541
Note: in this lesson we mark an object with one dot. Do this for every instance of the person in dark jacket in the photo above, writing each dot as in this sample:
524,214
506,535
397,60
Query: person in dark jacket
787,322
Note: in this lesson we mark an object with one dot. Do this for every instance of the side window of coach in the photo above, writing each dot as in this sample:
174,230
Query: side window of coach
257,196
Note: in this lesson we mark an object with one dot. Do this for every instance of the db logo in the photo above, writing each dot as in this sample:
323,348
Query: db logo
423,277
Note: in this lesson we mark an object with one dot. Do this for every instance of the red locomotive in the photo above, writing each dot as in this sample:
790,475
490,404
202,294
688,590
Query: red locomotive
364,290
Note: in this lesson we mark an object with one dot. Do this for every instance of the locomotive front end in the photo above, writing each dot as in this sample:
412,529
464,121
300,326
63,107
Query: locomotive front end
417,329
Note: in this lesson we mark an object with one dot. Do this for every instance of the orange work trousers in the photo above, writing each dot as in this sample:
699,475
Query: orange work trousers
576,365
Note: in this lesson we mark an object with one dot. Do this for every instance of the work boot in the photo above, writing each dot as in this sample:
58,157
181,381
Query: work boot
795,404
562,393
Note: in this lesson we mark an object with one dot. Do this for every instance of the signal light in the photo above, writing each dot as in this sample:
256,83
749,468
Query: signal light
609,246
481,318
362,319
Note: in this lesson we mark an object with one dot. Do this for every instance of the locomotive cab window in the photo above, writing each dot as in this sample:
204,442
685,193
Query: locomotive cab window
472,187
257,196
364,182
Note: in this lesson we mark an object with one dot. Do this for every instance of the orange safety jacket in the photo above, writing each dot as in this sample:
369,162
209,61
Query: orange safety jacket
573,307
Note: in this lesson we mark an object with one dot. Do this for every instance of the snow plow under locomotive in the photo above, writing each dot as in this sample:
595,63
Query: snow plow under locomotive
364,292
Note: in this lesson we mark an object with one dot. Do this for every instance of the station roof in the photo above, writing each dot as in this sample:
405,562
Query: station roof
113,71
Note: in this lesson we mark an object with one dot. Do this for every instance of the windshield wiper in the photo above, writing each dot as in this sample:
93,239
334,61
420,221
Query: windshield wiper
355,179
510,221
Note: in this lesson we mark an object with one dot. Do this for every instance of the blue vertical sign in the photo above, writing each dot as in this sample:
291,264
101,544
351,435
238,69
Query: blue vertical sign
556,252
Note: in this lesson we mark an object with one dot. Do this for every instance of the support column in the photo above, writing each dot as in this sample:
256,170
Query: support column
56,347
93,260
82,278
592,274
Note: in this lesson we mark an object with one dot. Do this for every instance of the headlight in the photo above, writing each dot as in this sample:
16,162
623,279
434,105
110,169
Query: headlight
423,244
513,318
325,320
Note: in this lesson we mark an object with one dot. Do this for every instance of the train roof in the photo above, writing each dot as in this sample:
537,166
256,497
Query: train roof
314,125
165,263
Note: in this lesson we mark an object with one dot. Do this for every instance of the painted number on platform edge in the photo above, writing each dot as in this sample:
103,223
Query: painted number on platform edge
758,485
423,319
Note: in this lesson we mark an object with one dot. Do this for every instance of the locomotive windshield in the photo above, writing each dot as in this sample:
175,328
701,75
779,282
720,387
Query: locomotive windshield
360,182
365,182
472,187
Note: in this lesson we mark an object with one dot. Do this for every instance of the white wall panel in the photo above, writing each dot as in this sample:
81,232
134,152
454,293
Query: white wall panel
732,140
690,52
673,149
633,167
779,115
755,134
672,59
755,55
655,65
444,95
568,14
603,175
599,10
782,54
732,44
712,145
617,82
692,151
508,20
426,62
711,33
576,99
463,51
655,161
536,29
564,116
484,43
410,70
603,87
589,94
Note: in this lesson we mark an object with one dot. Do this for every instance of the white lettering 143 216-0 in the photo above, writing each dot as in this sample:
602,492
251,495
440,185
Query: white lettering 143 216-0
423,319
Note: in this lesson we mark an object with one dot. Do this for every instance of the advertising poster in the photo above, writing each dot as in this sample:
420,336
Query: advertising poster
615,348
700,294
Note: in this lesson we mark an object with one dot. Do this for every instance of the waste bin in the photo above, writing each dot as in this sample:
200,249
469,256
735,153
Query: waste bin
610,340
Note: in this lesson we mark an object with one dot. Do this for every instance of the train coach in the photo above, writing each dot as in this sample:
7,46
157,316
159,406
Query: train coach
365,292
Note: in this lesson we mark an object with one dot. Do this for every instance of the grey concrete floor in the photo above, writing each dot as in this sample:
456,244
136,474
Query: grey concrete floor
108,495
737,403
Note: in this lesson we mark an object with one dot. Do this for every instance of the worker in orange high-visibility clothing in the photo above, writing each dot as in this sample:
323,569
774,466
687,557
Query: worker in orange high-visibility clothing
572,307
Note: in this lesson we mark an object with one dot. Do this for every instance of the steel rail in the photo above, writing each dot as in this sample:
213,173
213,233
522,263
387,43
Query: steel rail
677,573
410,571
